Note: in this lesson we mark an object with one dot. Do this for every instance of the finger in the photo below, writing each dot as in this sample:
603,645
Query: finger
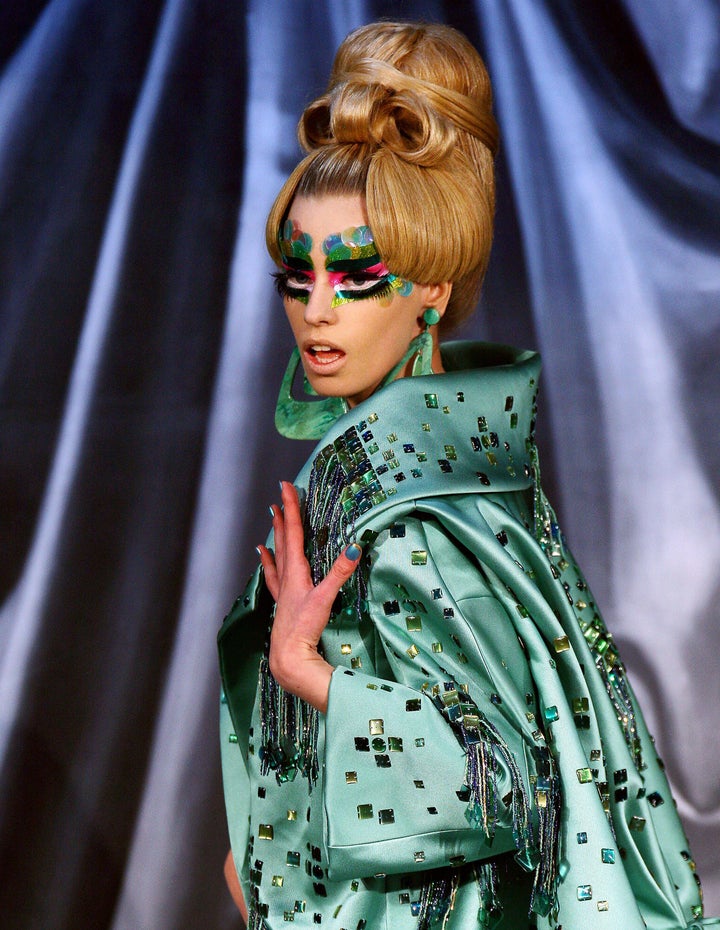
294,534
278,524
267,560
341,569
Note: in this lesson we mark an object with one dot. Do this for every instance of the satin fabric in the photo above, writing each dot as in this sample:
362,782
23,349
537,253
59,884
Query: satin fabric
469,582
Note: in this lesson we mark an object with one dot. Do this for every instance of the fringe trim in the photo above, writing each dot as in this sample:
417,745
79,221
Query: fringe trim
486,749
548,803
331,510
289,732
613,676
255,919
437,899
289,725
486,879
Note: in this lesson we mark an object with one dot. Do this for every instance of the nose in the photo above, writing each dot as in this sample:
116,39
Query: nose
319,308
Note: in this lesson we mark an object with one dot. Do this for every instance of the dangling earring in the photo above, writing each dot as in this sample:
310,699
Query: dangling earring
423,360
304,419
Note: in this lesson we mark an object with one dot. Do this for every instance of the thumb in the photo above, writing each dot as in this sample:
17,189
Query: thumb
342,568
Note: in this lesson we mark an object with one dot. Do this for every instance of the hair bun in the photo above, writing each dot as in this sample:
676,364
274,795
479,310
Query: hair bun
376,104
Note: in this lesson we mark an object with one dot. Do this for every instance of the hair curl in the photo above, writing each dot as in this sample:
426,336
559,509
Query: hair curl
407,123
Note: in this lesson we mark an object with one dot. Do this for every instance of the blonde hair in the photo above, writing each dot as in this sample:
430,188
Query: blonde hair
407,123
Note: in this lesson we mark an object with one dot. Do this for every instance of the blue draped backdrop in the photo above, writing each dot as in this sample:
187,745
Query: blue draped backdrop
141,345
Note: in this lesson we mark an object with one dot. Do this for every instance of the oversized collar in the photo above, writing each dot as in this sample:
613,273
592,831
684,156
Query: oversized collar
468,430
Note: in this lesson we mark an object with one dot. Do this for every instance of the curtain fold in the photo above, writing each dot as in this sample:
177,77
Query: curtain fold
141,344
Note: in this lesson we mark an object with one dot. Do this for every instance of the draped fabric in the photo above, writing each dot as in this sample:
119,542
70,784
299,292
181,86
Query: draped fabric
141,344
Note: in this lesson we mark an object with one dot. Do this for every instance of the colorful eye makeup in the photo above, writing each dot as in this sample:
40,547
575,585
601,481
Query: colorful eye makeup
297,280
355,270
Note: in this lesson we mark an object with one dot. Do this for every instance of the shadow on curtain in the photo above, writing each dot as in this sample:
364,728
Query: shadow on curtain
141,345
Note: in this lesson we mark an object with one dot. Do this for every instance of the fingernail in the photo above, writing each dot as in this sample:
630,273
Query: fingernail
353,552
281,486
258,550
272,511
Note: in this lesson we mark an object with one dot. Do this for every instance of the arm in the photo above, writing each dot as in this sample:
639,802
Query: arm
411,781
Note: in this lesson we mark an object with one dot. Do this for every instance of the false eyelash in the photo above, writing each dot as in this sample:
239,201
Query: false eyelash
383,288
284,289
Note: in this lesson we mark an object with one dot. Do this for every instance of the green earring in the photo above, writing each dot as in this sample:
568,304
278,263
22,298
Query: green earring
423,360
304,419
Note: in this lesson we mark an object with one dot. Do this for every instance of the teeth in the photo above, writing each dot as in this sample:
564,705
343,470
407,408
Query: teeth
321,348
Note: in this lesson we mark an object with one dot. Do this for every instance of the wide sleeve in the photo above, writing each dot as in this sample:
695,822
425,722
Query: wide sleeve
435,759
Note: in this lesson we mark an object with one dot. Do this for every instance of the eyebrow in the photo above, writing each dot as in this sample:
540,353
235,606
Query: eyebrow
357,264
295,263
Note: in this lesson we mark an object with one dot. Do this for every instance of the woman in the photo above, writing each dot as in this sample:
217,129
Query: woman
441,729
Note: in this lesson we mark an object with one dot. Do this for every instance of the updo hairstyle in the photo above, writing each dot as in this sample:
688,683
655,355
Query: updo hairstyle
406,122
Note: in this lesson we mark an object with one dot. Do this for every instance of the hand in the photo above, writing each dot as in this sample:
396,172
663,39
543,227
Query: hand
233,884
303,609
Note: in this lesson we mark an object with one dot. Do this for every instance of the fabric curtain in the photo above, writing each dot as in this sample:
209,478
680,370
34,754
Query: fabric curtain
141,346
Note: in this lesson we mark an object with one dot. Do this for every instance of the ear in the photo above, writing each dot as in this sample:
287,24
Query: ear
438,295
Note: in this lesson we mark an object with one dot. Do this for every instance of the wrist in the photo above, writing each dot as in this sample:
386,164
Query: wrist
302,672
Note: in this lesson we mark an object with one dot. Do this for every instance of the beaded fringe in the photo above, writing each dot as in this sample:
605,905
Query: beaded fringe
485,750
486,879
437,899
255,919
289,731
330,514
290,725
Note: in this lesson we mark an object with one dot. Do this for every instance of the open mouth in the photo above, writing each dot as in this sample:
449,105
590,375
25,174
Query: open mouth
322,356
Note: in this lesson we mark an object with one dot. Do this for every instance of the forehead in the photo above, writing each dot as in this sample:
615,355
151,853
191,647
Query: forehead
321,217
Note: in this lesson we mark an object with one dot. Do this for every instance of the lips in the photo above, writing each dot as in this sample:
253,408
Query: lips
323,357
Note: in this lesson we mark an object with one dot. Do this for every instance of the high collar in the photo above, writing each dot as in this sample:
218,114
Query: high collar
467,430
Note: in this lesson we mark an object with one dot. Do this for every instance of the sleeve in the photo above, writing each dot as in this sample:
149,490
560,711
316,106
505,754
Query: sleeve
236,787
240,647
438,761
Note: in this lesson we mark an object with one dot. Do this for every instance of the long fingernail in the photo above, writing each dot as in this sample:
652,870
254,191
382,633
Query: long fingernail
272,511
353,552
258,550
281,486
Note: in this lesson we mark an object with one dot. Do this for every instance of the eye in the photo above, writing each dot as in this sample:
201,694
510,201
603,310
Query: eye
364,285
293,284
361,281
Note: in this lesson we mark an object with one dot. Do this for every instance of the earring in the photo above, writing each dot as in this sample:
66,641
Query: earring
423,360
304,419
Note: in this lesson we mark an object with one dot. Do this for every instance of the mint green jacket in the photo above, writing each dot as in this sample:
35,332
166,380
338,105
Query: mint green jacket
482,757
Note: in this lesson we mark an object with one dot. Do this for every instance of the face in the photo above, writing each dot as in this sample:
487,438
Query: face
352,320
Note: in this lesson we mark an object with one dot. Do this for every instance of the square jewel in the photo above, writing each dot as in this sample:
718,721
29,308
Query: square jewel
584,892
